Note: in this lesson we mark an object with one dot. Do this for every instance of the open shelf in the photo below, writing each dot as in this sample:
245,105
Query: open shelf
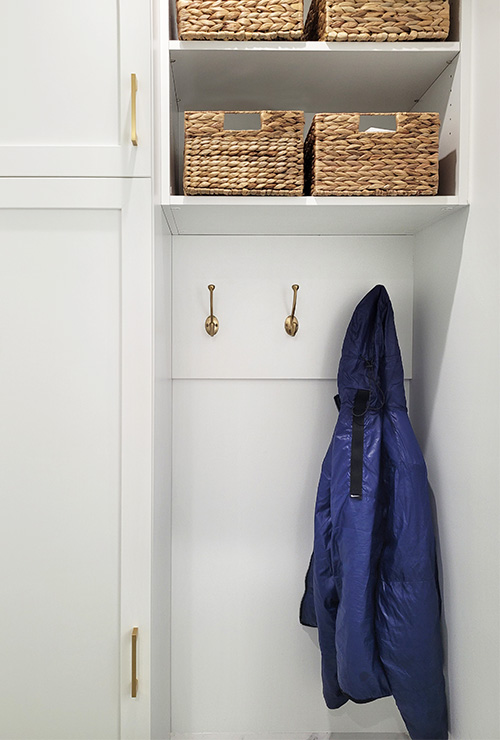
306,215
309,76
315,76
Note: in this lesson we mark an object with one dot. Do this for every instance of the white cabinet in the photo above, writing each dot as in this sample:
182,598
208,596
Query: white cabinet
75,328
249,412
66,88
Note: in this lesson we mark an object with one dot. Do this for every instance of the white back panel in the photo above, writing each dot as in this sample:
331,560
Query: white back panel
253,296
246,462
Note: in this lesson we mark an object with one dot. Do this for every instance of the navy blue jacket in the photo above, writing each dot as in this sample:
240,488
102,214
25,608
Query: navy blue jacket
371,588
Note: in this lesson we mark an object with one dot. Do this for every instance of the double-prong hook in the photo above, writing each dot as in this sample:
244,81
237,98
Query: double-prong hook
212,322
291,322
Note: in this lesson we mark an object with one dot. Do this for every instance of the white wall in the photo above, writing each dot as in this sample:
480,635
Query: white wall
456,402
247,455
253,296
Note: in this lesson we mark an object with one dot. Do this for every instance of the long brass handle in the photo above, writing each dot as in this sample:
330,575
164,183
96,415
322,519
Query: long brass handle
133,92
135,681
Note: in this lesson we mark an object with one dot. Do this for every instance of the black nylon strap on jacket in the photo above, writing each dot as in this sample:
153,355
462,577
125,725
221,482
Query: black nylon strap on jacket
358,434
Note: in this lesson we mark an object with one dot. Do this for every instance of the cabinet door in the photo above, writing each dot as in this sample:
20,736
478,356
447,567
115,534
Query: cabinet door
65,88
75,440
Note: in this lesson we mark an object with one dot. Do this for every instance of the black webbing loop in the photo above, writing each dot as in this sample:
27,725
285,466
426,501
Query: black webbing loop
358,434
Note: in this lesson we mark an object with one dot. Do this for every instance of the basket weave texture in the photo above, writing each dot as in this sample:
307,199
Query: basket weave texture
341,160
228,20
269,161
377,20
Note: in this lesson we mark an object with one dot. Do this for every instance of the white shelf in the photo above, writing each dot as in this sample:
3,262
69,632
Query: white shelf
306,215
310,76
314,76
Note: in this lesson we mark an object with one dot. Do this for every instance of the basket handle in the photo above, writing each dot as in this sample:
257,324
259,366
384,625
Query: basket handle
208,123
254,114
271,121
395,118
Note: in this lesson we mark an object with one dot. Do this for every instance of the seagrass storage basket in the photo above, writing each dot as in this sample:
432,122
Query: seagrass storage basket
342,160
268,161
377,20
240,20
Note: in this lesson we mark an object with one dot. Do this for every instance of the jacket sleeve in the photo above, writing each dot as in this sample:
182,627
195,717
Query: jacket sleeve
320,601
410,652
307,614
409,608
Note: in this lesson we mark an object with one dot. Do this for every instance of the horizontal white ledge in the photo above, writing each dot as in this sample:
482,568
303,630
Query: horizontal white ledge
312,201
306,215
444,47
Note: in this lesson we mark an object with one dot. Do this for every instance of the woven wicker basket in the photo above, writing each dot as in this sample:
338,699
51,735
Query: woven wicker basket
341,160
228,20
377,20
268,161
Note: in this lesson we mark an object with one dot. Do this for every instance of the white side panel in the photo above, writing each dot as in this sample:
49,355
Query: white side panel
137,449
456,402
253,296
247,457
162,441
449,96
161,591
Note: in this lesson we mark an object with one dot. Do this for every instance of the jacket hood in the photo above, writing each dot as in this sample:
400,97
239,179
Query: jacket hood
371,358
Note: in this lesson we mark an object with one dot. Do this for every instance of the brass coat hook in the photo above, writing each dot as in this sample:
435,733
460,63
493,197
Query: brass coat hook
212,322
291,322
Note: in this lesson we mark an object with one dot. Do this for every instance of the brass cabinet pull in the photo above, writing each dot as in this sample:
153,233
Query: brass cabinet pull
133,83
212,322
135,681
291,322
